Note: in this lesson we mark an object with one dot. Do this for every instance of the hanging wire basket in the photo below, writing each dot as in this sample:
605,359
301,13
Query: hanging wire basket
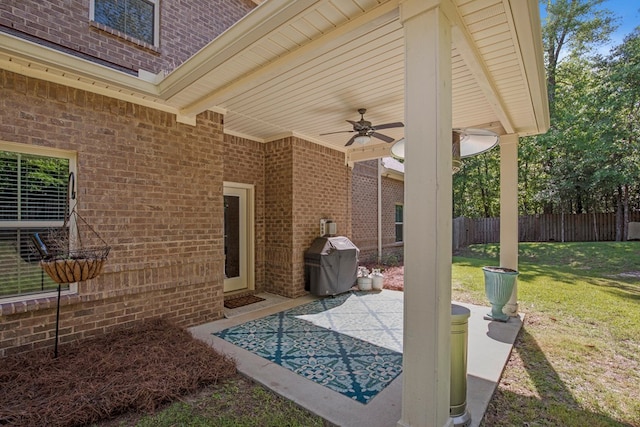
66,265
73,252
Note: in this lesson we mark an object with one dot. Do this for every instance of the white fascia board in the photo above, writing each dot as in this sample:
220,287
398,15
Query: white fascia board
527,25
32,52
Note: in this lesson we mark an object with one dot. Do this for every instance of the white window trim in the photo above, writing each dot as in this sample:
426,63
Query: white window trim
73,167
73,290
156,20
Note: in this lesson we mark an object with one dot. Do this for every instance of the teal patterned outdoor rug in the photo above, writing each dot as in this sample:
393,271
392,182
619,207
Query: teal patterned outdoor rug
307,341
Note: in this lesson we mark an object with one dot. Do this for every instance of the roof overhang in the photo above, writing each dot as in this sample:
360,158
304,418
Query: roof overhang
302,68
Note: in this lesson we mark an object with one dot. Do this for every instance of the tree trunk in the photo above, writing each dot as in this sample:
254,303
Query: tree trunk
485,189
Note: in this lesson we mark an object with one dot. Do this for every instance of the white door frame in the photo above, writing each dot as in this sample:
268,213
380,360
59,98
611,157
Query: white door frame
246,279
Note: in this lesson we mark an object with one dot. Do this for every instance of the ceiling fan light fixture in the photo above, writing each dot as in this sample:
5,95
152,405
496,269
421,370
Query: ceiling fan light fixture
397,149
362,139
474,141
365,130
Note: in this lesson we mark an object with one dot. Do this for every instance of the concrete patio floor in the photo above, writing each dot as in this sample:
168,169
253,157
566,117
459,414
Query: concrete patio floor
489,347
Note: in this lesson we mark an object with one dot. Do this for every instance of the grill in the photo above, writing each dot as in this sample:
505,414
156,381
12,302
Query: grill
330,265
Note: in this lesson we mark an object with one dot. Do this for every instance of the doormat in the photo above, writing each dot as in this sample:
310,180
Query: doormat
348,365
242,301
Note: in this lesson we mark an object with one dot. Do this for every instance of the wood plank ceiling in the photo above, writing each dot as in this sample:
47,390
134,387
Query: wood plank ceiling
303,68
312,73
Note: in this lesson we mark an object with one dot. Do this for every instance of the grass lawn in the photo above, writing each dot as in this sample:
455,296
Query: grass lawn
577,358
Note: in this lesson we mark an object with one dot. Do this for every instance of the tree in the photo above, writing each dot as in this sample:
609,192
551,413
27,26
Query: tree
577,25
619,98
571,29
589,160
476,187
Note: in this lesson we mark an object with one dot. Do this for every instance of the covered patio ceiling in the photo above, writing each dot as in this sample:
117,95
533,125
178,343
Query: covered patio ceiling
302,68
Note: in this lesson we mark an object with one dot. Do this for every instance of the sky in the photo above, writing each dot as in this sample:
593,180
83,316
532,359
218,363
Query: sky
628,11
628,14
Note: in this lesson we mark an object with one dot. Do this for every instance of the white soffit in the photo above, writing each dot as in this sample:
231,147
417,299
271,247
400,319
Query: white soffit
305,67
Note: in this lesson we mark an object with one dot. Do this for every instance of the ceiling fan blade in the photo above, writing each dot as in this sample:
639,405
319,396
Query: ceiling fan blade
390,125
340,131
352,122
353,138
385,138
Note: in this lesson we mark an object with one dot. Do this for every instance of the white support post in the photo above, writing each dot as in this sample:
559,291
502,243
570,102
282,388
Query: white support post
428,204
509,212
379,208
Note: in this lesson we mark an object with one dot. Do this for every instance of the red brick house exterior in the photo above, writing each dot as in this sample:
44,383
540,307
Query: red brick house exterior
153,187
365,209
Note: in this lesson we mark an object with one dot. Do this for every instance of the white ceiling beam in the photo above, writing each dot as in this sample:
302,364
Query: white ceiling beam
367,152
250,29
465,45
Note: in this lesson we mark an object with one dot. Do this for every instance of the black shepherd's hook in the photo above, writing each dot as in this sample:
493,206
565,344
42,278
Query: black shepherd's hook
72,186
71,195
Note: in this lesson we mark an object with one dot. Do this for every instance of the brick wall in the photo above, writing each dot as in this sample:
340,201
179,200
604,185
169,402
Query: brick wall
365,208
245,163
151,187
365,211
278,216
321,189
185,27
305,182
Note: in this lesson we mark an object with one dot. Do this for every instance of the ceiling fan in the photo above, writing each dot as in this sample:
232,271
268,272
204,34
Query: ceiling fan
365,130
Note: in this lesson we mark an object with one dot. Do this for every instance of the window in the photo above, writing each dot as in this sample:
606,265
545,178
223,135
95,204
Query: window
399,223
33,198
136,18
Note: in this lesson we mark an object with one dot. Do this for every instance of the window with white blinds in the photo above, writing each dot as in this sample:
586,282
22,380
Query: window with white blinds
33,197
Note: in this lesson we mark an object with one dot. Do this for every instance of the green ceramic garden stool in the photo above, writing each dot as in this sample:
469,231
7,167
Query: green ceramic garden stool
498,286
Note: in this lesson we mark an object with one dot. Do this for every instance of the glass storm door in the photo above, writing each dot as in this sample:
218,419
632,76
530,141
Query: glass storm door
238,262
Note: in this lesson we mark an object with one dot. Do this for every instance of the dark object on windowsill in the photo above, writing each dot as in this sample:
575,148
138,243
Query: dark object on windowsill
40,246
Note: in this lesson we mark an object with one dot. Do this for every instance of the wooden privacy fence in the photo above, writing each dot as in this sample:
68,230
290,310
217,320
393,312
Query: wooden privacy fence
540,228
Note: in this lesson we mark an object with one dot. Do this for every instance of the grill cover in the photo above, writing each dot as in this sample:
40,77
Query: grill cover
330,265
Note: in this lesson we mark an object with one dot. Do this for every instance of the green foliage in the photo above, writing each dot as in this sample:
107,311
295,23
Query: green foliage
476,187
589,160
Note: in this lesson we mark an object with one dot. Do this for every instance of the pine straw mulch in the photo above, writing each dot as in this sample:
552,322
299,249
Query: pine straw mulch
134,369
